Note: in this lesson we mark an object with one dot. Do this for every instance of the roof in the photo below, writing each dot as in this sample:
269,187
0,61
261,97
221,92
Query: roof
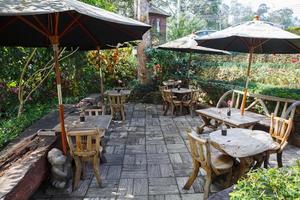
158,11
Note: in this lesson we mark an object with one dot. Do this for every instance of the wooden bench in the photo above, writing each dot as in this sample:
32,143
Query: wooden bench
263,104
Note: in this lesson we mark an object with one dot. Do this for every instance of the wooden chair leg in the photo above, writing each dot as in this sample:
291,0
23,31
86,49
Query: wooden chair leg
96,167
167,108
83,169
77,172
279,159
207,185
172,109
123,114
180,107
266,161
193,176
228,179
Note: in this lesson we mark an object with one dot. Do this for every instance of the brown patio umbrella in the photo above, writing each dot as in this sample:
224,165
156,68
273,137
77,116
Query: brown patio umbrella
188,44
252,37
66,23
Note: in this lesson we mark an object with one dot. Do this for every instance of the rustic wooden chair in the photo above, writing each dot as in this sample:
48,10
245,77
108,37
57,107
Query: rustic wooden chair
85,146
190,101
117,105
213,163
161,89
172,102
93,112
280,130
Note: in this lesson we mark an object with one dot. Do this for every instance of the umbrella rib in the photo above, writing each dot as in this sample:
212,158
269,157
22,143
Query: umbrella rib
292,45
8,23
70,26
86,31
41,25
32,25
229,44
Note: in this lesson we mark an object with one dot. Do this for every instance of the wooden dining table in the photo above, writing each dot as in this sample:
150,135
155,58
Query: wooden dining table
101,122
118,91
219,116
91,122
248,146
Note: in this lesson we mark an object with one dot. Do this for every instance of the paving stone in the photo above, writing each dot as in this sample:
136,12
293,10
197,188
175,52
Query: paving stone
157,197
140,186
136,140
114,159
154,170
174,148
175,158
172,197
181,182
196,196
134,149
108,190
162,186
134,171
160,158
125,187
166,170
114,172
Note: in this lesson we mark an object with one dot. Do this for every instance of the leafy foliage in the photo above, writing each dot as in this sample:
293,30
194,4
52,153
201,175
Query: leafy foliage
117,64
269,184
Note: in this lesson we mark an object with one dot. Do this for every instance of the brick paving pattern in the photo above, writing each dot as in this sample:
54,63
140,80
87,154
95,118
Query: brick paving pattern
147,158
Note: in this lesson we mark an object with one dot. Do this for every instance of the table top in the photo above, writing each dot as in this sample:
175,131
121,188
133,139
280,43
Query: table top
123,92
91,122
181,91
240,143
236,119
170,83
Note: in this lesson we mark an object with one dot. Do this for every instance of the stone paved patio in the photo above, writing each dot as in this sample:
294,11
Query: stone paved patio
147,158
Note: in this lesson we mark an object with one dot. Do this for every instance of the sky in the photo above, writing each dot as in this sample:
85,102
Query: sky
273,4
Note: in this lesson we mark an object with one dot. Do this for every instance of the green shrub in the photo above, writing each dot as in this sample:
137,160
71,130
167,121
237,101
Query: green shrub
269,184
11,128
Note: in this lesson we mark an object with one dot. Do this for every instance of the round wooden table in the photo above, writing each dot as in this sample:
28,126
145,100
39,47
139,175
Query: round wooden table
245,144
181,91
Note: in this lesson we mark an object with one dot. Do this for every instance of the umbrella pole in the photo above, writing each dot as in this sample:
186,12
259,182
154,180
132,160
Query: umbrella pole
247,82
189,66
59,95
101,81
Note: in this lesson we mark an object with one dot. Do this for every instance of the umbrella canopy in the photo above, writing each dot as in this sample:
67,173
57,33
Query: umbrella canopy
260,36
68,23
29,23
189,45
252,37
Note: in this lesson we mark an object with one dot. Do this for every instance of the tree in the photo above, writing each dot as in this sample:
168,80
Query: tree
262,11
282,16
186,26
30,80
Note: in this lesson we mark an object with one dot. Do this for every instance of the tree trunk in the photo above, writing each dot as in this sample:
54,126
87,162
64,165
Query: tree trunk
141,13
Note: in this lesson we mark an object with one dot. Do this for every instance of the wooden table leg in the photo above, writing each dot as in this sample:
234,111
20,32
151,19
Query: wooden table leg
245,166
206,122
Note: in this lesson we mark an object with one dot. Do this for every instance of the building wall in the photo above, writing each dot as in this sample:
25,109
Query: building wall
158,37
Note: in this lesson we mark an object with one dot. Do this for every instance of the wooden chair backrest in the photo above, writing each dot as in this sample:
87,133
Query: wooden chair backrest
280,129
280,109
161,89
84,142
168,95
116,100
195,95
200,150
93,112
